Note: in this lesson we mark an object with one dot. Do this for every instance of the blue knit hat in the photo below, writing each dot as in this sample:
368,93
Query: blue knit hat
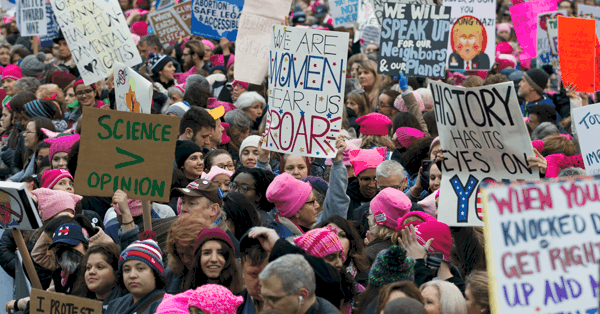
146,251
157,62
40,108
317,183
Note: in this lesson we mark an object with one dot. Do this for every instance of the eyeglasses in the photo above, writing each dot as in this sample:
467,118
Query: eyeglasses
367,179
242,188
272,300
227,167
314,201
85,92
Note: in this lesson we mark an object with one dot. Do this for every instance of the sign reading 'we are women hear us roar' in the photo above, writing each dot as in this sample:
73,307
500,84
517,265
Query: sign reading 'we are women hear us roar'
307,75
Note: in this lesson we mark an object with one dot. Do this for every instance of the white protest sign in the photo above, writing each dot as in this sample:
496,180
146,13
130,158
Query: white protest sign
366,16
371,34
593,11
379,5
97,34
307,74
541,242
484,138
544,49
32,17
254,36
163,4
552,25
133,93
7,4
343,12
587,122
17,210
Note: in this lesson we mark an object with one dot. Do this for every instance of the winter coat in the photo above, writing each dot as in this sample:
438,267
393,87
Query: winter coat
125,305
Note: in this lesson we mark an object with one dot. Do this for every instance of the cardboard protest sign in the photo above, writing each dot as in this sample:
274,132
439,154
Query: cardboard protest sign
541,242
594,12
133,152
17,210
577,42
97,34
544,49
184,10
51,28
216,18
343,12
587,122
51,302
525,17
414,40
252,46
168,25
472,44
133,93
366,16
307,74
379,5
32,17
484,138
163,4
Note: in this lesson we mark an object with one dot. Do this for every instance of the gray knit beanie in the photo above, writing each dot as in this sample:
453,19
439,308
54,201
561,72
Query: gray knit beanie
33,65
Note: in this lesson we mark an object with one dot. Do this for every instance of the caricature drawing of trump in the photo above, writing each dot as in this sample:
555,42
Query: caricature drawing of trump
468,41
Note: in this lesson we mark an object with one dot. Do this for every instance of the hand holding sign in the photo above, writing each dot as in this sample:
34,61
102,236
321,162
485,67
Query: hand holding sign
538,161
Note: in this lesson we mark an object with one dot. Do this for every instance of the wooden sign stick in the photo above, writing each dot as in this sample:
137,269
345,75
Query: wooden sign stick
32,274
147,215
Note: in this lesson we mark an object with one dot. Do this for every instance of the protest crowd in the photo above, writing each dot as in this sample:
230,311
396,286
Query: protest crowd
247,228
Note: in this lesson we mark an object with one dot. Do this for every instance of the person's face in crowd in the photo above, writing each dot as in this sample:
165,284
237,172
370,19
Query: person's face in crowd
64,184
367,183
525,88
275,298
217,133
335,259
55,50
175,97
8,85
230,72
386,107
186,255
565,5
4,56
396,182
437,149
504,34
16,58
307,215
193,166
6,120
49,57
138,278
143,48
99,275
238,89
250,273
468,44
188,61
534,120
42,153
167,72
296,166
472,306
63,50
255,111
202,137
124,5
435,177
354,70
343,238
372,47
238,134
212,259
70,96
352,105
30,136
207,54
246,185
249,156
366,78
59,160
224,161
198,207
432,300
222,181
86,95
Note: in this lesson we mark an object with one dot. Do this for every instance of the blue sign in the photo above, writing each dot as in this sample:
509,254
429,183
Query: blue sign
52,26
216,19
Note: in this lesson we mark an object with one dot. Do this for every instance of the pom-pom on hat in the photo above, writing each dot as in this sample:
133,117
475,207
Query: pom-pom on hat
215,299
401,106
34,65
215,171
51,202
12,71
51,177
320,242
208,234
407,135
374,124
440,232
157,62
363,159
389,205
391,265
288,194
146,251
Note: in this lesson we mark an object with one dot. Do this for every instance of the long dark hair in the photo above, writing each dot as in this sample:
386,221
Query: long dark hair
241,212
229,277
111,252
356,252
262,180
39,135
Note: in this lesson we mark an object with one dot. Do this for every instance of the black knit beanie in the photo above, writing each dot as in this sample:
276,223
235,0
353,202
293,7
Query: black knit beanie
537,78
185,149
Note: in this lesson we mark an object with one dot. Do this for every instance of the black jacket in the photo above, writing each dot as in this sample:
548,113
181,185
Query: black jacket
356,199
424,274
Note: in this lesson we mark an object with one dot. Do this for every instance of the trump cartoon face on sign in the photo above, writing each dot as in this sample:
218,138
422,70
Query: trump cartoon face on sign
468,40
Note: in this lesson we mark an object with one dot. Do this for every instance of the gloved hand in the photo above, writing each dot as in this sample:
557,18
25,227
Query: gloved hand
402,81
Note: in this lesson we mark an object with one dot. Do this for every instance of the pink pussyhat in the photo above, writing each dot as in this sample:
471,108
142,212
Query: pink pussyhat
225,139
558,162
320,242
422,217
538,144
389,205
215,299
175,304
350,146
374,123
407,135
243,84
363,159
135,207
208,43
428,204
214,103
12,72
215,171
288,194
442,237
51,177
60,142
51,202
399,102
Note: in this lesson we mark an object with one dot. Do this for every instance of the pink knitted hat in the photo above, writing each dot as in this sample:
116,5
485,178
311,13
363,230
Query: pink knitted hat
435,141
389,205
208,43
428,204
217,60
427,98
538,144
140,28
350,146
320,242
51,202
60,142
224,138
568,136
442,237
175,304
407,135
215,171
422,215
135,207
215,299
558,162
504,48
362,159
231,61
374,123
506,27
243,84
505,61
399,102
214,103
288,194
51,177
12,72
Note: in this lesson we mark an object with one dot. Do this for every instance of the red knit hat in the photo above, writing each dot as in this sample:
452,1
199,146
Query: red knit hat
12,72
51,177
442,237
374,124
207,234
320,242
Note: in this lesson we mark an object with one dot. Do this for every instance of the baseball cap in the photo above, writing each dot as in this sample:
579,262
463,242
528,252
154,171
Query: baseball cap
201,188
299,18
216,113
70,234
321,10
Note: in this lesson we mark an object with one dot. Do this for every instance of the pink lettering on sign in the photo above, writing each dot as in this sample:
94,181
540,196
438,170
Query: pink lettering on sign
531,198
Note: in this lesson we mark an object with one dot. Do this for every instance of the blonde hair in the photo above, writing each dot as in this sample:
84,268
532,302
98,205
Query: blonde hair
477,281
368,141
381,232
451,299
362,100
371,66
